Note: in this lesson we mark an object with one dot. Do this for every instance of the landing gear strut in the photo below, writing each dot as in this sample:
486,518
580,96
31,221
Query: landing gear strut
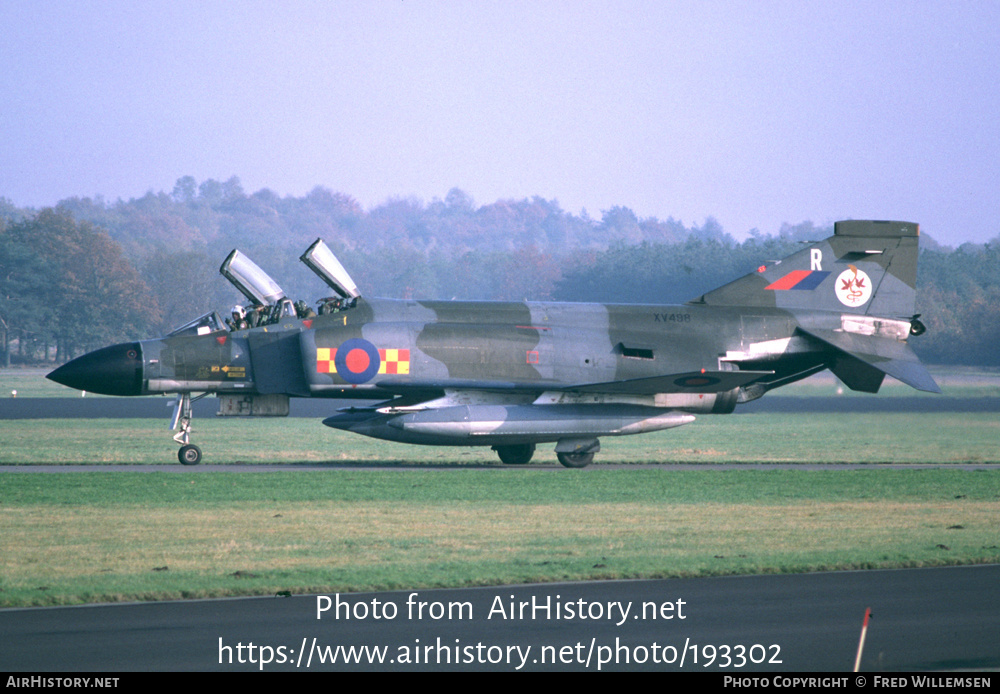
189,454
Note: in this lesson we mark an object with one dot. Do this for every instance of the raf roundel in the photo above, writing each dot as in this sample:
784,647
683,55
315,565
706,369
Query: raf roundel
357,361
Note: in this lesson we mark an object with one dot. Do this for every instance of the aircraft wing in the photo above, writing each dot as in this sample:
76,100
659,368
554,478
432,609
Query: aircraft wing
863,360
416,387
688,382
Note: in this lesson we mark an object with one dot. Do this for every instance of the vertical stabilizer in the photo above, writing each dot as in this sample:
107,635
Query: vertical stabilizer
866,267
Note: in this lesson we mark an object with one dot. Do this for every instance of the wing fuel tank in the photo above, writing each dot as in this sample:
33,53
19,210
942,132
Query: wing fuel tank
499,424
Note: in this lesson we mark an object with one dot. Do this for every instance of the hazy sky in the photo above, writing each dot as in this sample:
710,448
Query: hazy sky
754,112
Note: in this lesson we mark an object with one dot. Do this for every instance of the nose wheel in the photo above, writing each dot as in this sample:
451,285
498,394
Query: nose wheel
189,454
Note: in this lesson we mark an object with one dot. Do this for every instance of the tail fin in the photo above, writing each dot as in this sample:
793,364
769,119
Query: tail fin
867,273
866,267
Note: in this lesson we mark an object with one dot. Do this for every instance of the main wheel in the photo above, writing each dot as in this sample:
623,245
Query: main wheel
515,455
575,459
189,454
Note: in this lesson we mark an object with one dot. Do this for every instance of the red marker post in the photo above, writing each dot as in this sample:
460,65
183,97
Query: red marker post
861,643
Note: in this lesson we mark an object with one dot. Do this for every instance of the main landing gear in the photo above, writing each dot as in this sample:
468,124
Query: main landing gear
189,454
572,453
577,453
515,455
575,459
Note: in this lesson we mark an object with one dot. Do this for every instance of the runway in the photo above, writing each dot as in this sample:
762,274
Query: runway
939,619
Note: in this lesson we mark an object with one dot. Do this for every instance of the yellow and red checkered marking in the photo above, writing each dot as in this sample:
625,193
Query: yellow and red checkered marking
324,360
392,361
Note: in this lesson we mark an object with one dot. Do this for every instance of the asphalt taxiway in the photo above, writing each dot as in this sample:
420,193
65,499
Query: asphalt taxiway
937,619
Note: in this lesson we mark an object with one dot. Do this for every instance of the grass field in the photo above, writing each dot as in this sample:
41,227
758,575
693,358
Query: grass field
455,517
115,536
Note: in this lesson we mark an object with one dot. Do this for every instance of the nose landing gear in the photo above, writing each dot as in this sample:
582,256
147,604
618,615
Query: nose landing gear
189,454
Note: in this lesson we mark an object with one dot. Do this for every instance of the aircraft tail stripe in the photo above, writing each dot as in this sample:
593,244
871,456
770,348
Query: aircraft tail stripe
799,279
789,280
814,279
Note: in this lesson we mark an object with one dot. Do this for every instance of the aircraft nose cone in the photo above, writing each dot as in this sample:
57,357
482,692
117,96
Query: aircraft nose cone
115,370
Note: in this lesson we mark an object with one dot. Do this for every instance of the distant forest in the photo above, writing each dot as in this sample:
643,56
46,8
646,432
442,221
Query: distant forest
88,272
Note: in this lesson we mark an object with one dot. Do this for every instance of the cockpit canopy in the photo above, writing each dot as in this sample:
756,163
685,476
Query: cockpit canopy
202,325
254,283
270,303
321,260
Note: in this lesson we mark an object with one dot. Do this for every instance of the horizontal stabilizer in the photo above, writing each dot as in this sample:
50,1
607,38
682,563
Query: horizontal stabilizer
875,356
690,382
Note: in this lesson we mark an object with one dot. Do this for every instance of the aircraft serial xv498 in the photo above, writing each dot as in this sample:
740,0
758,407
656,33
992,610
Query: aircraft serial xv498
513,375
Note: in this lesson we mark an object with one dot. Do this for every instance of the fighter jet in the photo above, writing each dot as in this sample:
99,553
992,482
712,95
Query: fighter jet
512,375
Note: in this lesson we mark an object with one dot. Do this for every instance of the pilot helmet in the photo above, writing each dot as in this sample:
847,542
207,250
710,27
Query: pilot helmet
239,312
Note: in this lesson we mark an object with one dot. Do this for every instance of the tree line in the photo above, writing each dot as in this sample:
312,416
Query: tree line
88,273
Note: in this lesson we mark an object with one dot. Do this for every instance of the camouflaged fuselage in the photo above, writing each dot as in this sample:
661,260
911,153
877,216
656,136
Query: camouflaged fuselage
511,374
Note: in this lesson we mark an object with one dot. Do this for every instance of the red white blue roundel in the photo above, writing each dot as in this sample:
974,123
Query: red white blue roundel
357,360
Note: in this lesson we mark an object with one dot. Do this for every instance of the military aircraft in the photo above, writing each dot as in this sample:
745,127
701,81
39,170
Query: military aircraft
512,375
